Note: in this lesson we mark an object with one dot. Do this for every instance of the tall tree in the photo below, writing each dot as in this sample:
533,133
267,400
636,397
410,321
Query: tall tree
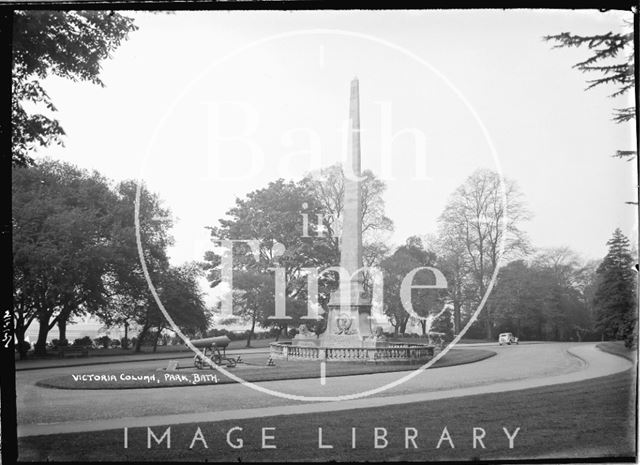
69,44
406,258
615,298
272,216
130,301
454,264
61,243
326,186
536,302
485,229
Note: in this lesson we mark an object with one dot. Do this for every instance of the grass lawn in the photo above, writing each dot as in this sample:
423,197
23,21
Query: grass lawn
618,348
592,418
254,370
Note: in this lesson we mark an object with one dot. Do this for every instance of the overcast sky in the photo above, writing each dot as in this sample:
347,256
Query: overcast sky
466,80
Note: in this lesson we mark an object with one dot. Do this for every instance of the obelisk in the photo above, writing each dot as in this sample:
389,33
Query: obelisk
351,247
348,320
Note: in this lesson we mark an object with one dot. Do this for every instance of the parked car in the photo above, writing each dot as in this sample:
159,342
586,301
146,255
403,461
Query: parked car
507,338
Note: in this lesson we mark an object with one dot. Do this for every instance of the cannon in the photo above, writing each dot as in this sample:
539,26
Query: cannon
216,349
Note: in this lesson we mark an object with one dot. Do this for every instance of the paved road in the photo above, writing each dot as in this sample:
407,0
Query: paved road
47,411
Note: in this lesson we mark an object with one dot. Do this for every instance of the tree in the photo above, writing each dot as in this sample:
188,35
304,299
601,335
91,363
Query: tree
453,263
326,186
69,44
74,248
254,299
444,324
406,258
615,298
183,300
272,216
61,244
476,223
606,61
537,302
129,298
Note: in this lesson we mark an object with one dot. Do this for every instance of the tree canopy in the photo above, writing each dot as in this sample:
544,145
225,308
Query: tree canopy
68,44
609,64
615,297
75,253
478,228
272,216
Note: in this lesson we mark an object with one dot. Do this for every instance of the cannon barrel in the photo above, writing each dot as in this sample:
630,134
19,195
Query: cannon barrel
218,341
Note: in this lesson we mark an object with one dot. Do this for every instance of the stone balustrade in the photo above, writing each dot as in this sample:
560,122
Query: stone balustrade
399,352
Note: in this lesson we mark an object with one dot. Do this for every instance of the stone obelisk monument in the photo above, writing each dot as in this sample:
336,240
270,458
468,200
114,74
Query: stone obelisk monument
348,322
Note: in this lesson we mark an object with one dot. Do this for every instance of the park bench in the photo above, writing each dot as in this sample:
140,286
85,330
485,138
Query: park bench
72,352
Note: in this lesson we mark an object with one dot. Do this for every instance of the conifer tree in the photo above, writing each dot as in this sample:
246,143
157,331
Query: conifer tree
610,66
615,298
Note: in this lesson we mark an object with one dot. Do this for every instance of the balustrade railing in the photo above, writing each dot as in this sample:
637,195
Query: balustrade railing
392,352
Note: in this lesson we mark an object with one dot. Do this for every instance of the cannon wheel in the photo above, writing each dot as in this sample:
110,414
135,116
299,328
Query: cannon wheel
198,363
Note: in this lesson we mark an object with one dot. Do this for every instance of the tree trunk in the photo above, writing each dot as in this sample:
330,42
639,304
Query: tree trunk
253,327
20,330
423,323
403,325
141,336
456,318
62,329
125,342
43,331
488,328
155,339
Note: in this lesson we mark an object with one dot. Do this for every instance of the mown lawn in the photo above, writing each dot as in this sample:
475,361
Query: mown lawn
593,419
618,348
254,370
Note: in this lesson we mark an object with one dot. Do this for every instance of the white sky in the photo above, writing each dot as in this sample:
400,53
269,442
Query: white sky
551,137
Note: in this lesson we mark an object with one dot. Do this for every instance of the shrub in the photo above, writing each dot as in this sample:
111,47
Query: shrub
115,343
103,341
83,342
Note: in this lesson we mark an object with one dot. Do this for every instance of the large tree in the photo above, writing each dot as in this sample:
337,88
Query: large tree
326,186
615,298
75,250
69,44
274,215
535,301
271,216
62,225
396,267
453,262
485,227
